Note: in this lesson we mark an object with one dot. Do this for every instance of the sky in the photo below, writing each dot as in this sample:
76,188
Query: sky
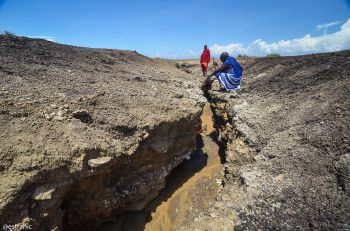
179,29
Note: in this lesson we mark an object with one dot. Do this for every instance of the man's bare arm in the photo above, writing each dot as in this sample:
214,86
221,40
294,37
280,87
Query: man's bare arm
223,67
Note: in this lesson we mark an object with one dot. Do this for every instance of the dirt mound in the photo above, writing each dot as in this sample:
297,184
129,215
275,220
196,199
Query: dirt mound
88,132
287,137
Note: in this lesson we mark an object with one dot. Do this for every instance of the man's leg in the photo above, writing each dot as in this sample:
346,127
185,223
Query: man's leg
228,81
204,68
219,77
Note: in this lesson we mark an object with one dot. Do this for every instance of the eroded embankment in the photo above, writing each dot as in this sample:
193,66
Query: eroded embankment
130,183
237,148
287,146
234,151
110,186
190,190
88,134
192,198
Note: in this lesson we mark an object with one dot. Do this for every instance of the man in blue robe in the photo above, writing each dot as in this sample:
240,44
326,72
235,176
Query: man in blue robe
229,74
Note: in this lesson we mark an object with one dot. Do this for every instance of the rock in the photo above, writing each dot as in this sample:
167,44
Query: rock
219,181
234,95
343,172
61,113
262,75
230,205
83,115
49,116
280,150
43,193
145,135
94,163
179,96
58,118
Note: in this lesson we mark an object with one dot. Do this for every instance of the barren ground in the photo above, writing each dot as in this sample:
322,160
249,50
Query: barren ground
287,145
90,136
88,132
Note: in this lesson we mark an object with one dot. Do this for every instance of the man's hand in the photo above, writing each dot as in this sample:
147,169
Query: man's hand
209,80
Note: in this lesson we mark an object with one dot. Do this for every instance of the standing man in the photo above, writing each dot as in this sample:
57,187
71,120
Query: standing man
229,74
205,60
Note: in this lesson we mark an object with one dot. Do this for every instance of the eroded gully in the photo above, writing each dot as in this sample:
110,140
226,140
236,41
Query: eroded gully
190,188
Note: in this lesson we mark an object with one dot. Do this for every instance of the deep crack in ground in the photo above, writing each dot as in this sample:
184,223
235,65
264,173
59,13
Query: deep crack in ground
191,188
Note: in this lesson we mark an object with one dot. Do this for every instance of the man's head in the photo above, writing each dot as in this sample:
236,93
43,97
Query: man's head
205,47
223,56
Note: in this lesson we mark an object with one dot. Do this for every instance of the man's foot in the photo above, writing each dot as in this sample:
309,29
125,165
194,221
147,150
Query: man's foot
233,90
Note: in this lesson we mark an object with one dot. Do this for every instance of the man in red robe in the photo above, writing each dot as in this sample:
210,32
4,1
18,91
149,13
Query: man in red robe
205,60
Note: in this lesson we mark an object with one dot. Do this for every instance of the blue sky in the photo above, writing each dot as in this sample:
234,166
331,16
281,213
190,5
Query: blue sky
178,29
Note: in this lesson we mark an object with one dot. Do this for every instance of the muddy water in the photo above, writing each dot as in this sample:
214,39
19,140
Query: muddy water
190,188
193,195
207,120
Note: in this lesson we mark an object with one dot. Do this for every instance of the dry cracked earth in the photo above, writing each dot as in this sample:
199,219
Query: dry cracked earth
89,135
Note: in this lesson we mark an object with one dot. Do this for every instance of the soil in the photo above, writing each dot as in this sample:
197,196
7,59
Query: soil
287,137
98,139
87,133
190,190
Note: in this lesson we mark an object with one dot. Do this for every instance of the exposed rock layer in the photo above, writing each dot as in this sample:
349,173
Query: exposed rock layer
91,133
87,133
287,135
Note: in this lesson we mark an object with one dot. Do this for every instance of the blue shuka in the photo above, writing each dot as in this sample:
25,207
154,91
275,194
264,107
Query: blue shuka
231,78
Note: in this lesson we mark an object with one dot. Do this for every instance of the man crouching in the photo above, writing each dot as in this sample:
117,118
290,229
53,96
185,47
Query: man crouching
229,74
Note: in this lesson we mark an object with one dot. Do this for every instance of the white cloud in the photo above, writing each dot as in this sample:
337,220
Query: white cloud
337,41
325,26
230,48
46,37
158,55
192,53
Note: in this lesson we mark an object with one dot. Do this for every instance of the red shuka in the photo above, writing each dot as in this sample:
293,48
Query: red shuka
205,59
